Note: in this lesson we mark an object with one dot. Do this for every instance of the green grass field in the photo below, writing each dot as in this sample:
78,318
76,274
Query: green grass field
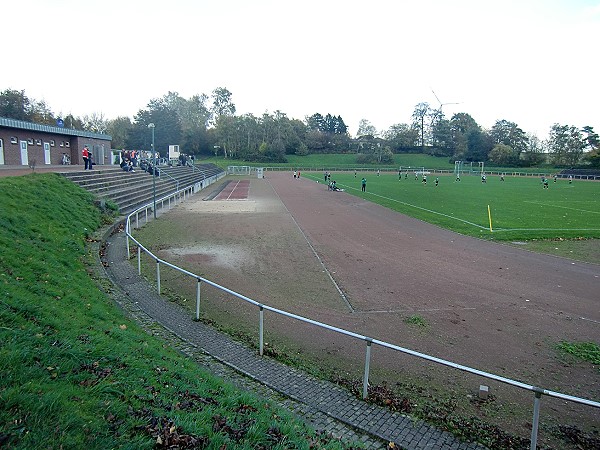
520,208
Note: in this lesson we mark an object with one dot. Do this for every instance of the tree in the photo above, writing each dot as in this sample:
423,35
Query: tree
504,155
422,110
118,129
508,133
365,128
479,145
70,121
535,153
442,138
566,144
591,138
167,128
460,125
15,105
402,137
316,122
222,105
41,113
96,123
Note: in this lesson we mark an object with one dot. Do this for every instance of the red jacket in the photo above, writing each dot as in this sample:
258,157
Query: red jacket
85,153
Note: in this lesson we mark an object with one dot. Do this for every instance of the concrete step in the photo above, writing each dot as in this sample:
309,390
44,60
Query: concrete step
130,190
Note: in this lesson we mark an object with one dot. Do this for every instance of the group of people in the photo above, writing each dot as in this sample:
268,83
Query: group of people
129,160
297,174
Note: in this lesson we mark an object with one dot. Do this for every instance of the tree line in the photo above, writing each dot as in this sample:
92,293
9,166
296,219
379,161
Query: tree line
208,125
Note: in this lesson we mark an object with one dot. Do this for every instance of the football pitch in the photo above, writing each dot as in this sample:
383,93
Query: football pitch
513,209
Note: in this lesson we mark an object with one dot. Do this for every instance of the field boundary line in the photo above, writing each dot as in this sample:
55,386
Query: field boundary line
562,207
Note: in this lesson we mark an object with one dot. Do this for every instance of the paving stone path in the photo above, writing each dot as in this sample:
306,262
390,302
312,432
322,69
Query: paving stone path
325,405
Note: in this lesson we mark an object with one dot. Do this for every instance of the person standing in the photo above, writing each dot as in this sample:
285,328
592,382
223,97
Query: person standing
363,184
85,154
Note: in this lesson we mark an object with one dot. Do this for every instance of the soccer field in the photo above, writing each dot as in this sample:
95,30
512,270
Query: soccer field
519,207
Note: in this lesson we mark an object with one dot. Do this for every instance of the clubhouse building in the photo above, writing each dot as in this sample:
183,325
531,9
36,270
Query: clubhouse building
26,143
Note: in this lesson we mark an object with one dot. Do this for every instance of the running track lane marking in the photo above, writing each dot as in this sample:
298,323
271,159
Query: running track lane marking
344,298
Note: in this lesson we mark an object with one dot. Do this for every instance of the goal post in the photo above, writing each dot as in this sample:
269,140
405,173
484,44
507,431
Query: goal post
458,168
239,170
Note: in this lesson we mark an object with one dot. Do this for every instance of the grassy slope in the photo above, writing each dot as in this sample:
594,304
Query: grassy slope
74,372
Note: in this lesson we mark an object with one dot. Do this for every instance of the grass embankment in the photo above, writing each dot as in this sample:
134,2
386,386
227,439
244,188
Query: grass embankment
76,373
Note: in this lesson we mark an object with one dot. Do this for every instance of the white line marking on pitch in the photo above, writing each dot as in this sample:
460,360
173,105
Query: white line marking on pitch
589,320
422,209
563,207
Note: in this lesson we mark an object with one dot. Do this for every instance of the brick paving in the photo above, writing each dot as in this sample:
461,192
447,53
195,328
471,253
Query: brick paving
325,405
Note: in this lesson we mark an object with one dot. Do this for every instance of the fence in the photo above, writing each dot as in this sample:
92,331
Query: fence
369,341
465,171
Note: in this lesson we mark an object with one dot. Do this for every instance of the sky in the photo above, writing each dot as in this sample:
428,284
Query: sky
532,62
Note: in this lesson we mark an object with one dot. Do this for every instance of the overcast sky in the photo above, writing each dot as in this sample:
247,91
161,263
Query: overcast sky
533,62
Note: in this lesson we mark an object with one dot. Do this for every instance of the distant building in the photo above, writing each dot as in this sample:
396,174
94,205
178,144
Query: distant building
24,143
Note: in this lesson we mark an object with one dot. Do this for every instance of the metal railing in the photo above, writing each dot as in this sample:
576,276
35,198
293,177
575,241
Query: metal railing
369,341
162,172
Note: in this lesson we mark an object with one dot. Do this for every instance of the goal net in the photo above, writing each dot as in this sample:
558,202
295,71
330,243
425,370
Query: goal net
240,170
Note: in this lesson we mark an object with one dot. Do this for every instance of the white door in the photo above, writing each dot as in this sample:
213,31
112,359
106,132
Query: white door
46,152
24,157
1,152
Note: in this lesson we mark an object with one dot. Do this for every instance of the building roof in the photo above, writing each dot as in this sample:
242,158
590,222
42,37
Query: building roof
21,125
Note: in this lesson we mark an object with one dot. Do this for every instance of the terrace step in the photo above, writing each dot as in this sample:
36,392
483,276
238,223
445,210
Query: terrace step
130,190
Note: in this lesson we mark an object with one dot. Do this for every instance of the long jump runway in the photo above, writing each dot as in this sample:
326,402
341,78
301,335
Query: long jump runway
235,190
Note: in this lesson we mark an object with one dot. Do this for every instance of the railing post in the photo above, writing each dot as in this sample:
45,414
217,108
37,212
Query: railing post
127,238
137,219
365,392
146,212
198,299
158,276
139,258
261,338
536,418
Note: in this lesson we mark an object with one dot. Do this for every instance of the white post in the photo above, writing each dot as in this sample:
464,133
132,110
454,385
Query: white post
198,299
367,365
536,419
261,338
158,276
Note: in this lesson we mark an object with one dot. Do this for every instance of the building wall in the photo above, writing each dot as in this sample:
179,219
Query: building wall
59,144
